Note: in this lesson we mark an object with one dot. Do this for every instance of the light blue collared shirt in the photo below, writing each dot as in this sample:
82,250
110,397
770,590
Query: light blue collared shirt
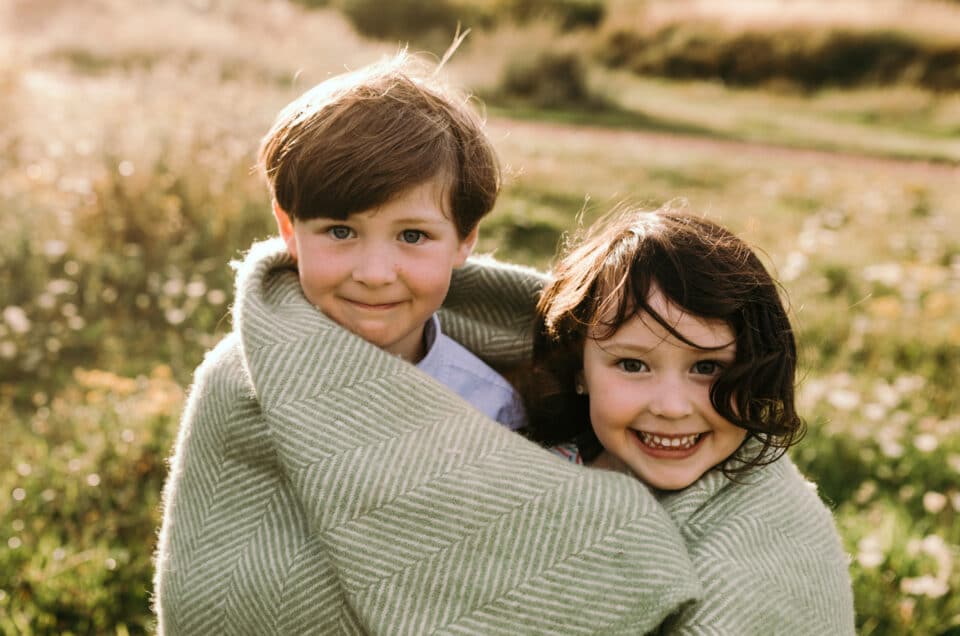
452,364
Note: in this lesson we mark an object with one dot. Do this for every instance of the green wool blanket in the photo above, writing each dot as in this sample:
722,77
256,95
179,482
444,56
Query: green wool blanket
322,486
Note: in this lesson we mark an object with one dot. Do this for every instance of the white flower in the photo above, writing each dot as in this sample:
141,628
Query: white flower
925,442
924,586
17,319
889,274
843,399
934,502
870,552
54,248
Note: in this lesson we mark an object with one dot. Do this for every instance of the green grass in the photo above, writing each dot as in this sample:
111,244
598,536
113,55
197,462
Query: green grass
124,193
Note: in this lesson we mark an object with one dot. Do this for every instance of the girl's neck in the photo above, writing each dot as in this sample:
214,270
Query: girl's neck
608,461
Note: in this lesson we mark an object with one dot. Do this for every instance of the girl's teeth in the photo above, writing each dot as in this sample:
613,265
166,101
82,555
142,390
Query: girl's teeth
684,442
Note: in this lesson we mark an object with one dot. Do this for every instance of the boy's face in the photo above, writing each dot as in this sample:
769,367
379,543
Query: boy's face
650,395
383,272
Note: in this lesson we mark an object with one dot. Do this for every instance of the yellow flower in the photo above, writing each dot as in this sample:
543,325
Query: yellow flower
885,307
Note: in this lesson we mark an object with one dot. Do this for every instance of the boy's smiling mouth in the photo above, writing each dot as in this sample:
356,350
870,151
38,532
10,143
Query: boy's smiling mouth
372,306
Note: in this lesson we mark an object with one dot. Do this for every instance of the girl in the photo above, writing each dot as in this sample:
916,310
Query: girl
665,352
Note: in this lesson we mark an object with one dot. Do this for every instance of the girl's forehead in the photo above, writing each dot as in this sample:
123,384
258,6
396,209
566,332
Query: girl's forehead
643,327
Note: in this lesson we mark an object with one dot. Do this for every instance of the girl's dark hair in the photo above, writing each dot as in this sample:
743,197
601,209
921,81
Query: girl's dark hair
606,279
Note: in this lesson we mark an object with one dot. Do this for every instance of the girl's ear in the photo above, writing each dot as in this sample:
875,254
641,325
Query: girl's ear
579,384
466,246
285,226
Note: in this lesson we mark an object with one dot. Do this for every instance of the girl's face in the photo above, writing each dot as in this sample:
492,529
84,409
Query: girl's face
650,395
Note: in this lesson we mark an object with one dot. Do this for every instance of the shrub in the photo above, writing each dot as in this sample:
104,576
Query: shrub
570,14
81,505
547,80
406,19
808,59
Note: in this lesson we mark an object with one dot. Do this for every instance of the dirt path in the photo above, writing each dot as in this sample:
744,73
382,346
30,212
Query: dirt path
719,147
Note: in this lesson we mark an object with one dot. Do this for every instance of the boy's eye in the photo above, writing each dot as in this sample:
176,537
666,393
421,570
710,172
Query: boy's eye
631,365
707,367
412,236
340,232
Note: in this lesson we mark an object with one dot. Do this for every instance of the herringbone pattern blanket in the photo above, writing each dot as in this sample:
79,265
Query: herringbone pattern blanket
320,485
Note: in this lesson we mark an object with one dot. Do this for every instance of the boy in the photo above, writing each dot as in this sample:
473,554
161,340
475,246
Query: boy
379,180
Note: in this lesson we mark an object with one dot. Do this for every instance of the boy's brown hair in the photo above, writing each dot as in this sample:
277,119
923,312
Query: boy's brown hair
700,267
357,140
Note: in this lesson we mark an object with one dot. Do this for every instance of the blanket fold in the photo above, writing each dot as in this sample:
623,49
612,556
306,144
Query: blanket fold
767,553
328,487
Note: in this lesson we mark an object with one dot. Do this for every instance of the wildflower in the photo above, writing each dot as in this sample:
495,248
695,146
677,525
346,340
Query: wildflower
794,267
906,609
870,552
125,168
886,395
925,585
8,350
874,412
175,315
843,399
934,502
886,307
938,305
60,286
17,319
54,249
109,295
216,297
866,490
93,479
14,542
925,442
46,300
19,494
889,274
195,289
173,287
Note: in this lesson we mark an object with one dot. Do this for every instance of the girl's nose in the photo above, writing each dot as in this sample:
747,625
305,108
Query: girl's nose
672,399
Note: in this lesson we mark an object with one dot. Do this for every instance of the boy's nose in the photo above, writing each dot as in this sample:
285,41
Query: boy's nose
374,269
671,399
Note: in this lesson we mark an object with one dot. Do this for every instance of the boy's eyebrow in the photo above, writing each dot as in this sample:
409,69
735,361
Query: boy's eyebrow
422,220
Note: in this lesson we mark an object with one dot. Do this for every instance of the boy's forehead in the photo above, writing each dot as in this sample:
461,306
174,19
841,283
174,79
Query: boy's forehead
425,202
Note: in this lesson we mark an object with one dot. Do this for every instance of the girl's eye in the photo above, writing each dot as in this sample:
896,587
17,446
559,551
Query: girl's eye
340,232
632,366
707,367
412,236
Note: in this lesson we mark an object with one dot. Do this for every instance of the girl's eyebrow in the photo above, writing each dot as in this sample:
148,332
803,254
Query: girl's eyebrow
628,347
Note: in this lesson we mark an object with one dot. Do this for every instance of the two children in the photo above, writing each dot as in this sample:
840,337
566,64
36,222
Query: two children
323,483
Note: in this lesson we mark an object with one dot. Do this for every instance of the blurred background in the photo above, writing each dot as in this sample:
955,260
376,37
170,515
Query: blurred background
825,132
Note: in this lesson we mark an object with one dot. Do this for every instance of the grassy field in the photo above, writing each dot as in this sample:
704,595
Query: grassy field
126,149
